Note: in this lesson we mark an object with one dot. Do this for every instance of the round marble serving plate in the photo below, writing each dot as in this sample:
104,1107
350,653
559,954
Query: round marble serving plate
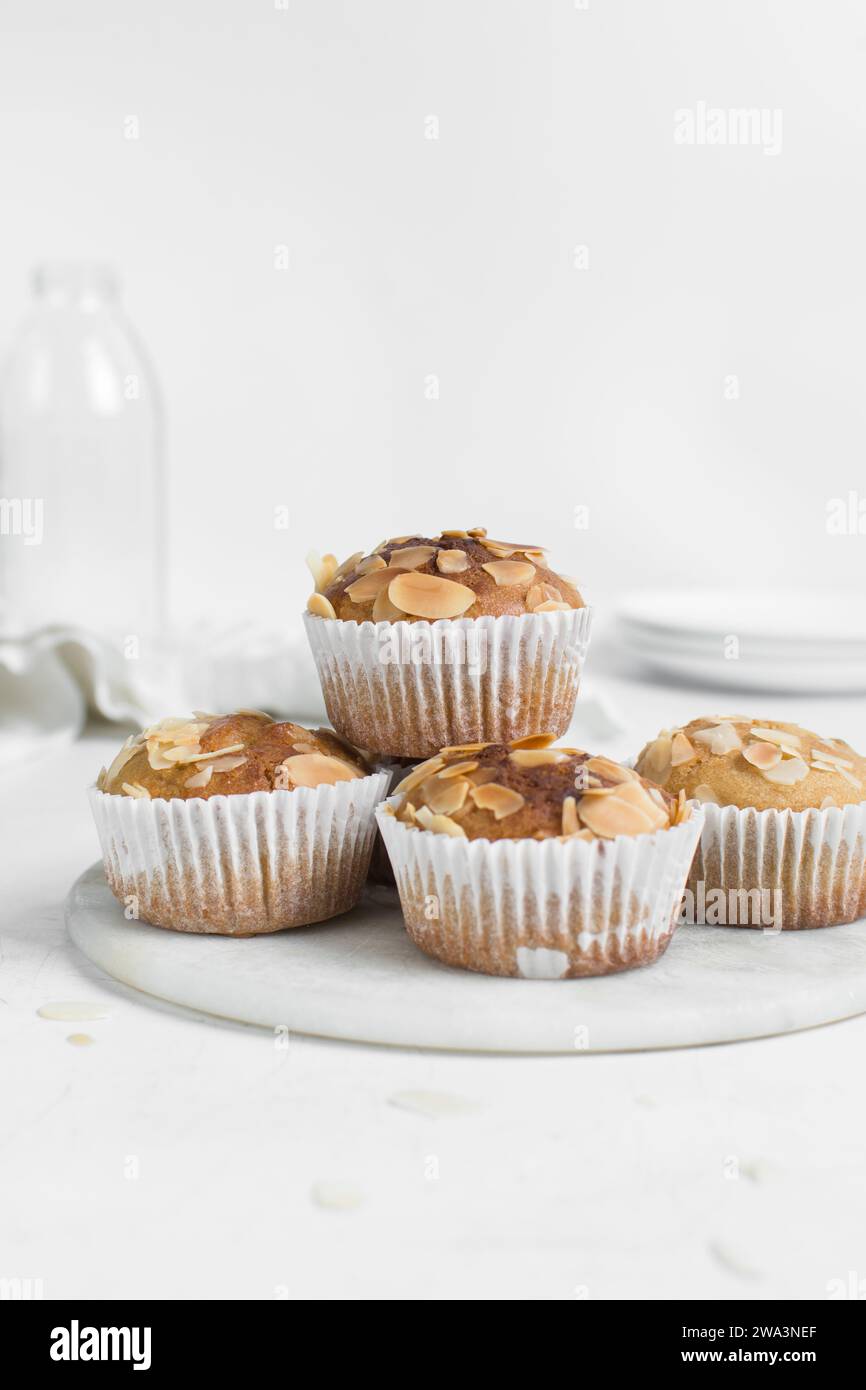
360,978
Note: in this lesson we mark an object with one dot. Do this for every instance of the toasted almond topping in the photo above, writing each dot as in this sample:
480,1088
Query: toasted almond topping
705,795
429,596
320,607
826,803
460,535
682,751
384,611
502,801
463,748
507,572
762,755
216,753
156,757
417,774
551,607
720,740
406,813
412,557
832,758
570,823
461,769
781,736
682,810
396,540
370,564
227,764
369,586
655,764
442,825
609,770
536,555
482,775
306,748
477,532
135,789
629,811
100,779
201,778
445,797
534,741
183,753
452,561
536,757
322,568
317,770
849,777
787,772
347,566
542,593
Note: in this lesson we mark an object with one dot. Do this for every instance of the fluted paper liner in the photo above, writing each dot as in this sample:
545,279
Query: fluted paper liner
240,865
808,866
409,689
541,909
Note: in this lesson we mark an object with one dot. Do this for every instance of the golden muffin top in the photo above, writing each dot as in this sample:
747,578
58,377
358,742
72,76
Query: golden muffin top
530,790
457,574
735,761
223,755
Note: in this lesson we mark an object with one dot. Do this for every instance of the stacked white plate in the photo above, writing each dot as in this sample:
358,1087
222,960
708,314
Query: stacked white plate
766,640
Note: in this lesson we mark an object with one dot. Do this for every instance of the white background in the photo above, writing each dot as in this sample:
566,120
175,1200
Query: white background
306,126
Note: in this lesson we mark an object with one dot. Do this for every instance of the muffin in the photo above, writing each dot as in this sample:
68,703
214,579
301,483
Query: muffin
523,859
432,641
784,837
236,824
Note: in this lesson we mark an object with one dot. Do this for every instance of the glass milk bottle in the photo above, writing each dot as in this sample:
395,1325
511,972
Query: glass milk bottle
82,525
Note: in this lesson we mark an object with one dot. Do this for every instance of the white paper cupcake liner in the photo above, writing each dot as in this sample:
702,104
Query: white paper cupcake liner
541,909
779,869
409,689
239,865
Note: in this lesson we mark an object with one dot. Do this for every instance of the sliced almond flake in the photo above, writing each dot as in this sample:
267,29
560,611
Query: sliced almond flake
412,557
458,535
536,757
429,596
629,811
384,611
256,714
849,777
217,752
183,753
100,780
788,772
705,795
781,736
537,556
682,810
461,769
369,586
135,789
533,741
322,568
418,774
721,740
347,566
200,779
551,607
833,758
682,750
502,801
824,767
570,823
762,755
655,761
128,750
463,748
370,564
156,757
509,572
305,748
317,770
227,764
442,825
826,803
452,561
609,770
320,607
444,798
478,532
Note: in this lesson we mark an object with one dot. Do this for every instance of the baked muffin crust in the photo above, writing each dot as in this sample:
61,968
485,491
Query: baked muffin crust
529,790
224,755
760,763
457,574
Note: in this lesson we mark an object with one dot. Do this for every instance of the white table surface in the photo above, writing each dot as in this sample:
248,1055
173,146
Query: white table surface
179,1157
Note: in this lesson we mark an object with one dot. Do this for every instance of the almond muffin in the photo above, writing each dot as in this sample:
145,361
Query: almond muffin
236,824
427,641
784,838
525,859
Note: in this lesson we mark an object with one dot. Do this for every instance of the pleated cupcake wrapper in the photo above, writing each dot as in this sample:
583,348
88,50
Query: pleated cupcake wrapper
540,909
409,689
240,865
801,868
